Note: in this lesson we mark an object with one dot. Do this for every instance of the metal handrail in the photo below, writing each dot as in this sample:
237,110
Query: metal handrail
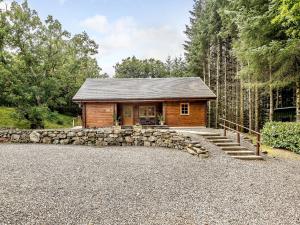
238,132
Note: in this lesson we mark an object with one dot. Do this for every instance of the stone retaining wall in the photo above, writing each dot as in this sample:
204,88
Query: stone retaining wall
106,137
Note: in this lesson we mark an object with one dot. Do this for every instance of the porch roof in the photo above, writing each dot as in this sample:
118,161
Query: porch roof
143,89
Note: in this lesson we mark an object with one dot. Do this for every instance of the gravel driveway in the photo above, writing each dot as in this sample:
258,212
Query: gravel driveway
54,184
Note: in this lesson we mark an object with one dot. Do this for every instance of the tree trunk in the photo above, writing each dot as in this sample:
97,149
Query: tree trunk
225,86
237,96
209,77
204,72
250,108
271,112
298,100
256,108
217,85
241,103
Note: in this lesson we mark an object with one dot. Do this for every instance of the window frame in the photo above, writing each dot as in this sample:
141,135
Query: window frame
147,111
188,108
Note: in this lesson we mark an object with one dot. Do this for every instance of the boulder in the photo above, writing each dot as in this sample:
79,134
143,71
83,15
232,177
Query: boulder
64,141
152,138
128,139
15,137
34,137
147,143
71,134
47,140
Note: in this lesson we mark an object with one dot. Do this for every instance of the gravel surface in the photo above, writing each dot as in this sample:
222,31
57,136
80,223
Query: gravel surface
54,184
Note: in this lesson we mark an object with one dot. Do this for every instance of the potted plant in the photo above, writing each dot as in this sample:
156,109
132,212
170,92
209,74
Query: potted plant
117,119
161,119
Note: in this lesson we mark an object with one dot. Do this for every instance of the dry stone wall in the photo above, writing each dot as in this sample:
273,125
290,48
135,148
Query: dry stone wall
107,137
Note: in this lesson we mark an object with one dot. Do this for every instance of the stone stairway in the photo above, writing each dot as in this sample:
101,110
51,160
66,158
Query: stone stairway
230,147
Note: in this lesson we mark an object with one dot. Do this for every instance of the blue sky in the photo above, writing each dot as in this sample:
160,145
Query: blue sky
122,28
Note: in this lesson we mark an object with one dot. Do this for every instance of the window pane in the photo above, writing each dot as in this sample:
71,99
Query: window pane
184,108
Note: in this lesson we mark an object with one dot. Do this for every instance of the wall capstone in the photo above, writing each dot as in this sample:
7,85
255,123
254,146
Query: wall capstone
106,137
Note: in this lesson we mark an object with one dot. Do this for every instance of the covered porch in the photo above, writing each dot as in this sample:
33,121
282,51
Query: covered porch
150,113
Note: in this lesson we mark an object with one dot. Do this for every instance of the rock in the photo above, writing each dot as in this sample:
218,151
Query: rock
203,156
147,143
128,139
79,134
47,140
119,139
62,136
34,137
191,151
15,137
71,134
91,134
64,141
152,138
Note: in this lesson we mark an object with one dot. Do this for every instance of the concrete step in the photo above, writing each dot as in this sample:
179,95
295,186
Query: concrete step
224,144
208,134
248,157
236,153
221,140
233,148
215,137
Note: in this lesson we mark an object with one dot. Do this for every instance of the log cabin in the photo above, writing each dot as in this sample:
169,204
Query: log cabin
174,102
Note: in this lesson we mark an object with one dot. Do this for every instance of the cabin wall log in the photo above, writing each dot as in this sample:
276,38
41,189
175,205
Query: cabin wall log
196,117
99,114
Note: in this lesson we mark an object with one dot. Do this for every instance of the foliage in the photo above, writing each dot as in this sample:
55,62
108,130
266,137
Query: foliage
52,120
133,67
160,117
245,45
41,64
282,135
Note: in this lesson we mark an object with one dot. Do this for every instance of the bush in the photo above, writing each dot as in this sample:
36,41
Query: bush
282,135
35,115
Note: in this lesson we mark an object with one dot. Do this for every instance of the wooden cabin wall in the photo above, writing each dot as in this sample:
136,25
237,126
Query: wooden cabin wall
99,114
196,117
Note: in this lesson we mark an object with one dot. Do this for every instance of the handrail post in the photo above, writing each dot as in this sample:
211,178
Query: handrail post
258,144
224,128
238,134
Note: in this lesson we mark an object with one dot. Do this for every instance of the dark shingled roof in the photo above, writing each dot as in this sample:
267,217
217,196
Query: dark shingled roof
143,89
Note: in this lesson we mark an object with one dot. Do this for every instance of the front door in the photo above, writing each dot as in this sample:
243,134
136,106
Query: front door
127,115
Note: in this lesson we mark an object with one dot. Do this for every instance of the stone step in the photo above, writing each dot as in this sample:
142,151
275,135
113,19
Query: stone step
224,144
215,137
233,148
246,152
248,157
221,140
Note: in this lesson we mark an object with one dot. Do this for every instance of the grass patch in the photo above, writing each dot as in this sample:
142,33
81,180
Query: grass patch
275,152
280,153
55,120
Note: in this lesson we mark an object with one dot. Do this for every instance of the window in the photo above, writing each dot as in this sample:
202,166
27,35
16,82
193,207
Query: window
147,111
184,109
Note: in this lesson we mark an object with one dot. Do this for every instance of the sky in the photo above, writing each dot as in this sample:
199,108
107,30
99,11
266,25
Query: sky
123,28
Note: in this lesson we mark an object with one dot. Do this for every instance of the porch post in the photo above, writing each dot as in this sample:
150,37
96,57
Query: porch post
164,112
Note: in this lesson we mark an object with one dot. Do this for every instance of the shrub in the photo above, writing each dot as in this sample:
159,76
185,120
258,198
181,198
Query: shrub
35,115
282,135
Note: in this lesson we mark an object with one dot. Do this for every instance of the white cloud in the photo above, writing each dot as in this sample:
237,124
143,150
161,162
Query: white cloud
97,23
125,37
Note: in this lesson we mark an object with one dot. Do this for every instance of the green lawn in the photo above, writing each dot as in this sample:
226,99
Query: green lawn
7,120
276,152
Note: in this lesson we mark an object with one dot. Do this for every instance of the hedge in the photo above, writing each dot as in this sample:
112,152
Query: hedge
282,135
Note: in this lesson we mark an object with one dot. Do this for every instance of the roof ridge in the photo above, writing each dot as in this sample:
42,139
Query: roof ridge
140,78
